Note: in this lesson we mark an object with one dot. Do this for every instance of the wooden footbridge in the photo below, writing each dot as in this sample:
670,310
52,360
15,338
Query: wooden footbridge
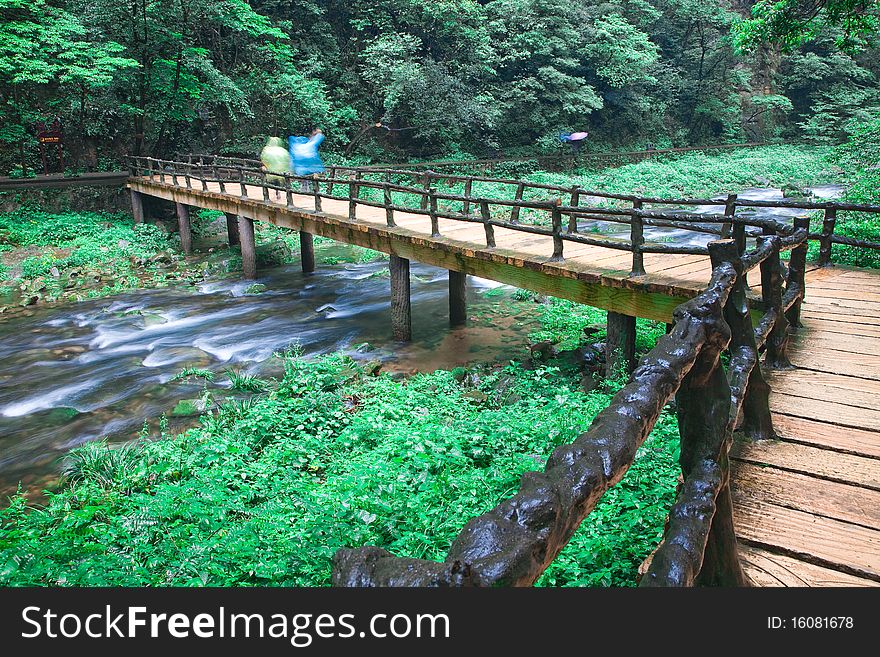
780,439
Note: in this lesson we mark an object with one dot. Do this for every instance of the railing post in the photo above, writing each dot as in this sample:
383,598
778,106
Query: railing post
435,222
288,190
468,188
756,421
556,218
797,270
173,174
316,190
426,183
828,224
187,176
637,239
729,211
771,291
331,180
514,212
490,229
353,190
263,185
574,200
703,407
389,206
244,193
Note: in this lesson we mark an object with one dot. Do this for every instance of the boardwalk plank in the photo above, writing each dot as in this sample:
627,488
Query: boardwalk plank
829,412
766,568
822,541
825,386
829,499
827,436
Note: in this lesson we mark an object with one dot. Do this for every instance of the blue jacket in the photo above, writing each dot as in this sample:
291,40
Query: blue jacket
304,153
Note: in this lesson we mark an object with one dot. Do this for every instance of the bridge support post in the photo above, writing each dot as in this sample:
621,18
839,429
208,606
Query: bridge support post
248,247
184,227
307,251
232,229
137,207
620,345
401,311
457,298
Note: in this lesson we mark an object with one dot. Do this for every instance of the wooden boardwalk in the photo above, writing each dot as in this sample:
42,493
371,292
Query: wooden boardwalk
593,275
807,507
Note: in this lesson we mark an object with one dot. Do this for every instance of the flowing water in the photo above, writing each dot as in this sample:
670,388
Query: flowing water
102,368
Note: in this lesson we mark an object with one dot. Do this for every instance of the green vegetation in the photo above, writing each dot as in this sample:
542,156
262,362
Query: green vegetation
75,255
698,175
195,372
454,77
860,158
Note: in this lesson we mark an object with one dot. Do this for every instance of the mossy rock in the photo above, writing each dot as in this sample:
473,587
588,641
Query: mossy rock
256,288
274,254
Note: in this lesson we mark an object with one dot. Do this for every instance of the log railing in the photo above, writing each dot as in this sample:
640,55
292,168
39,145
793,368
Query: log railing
535,208
514,543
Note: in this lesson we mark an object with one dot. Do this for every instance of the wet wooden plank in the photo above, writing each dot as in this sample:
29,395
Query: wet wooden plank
765,568
805,459
865,366
822,541
829,499
827,387
824,411
828,436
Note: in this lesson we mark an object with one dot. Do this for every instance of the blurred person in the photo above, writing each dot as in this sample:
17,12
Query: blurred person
304,153
275,159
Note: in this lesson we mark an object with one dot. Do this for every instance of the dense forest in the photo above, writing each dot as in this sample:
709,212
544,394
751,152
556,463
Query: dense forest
449,77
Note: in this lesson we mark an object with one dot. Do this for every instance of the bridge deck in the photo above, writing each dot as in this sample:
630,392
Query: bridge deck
807,507
588,274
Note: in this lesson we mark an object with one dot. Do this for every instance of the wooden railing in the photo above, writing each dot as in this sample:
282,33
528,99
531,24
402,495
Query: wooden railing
554,211
515,542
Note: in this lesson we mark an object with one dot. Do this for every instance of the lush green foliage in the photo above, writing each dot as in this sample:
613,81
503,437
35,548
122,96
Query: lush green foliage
84,253
453,76
860,158
793,23
268,489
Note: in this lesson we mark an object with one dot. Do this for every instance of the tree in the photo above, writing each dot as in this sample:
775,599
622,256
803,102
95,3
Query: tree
792,23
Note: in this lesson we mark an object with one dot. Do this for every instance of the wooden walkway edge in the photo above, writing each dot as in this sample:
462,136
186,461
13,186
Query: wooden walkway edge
807,507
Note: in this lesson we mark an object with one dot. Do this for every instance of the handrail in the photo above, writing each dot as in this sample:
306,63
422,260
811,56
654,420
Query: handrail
424,186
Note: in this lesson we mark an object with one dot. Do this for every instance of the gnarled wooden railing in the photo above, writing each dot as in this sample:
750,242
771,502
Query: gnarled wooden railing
535,208
515,542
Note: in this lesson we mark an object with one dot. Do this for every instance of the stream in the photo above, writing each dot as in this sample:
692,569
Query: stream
103,368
